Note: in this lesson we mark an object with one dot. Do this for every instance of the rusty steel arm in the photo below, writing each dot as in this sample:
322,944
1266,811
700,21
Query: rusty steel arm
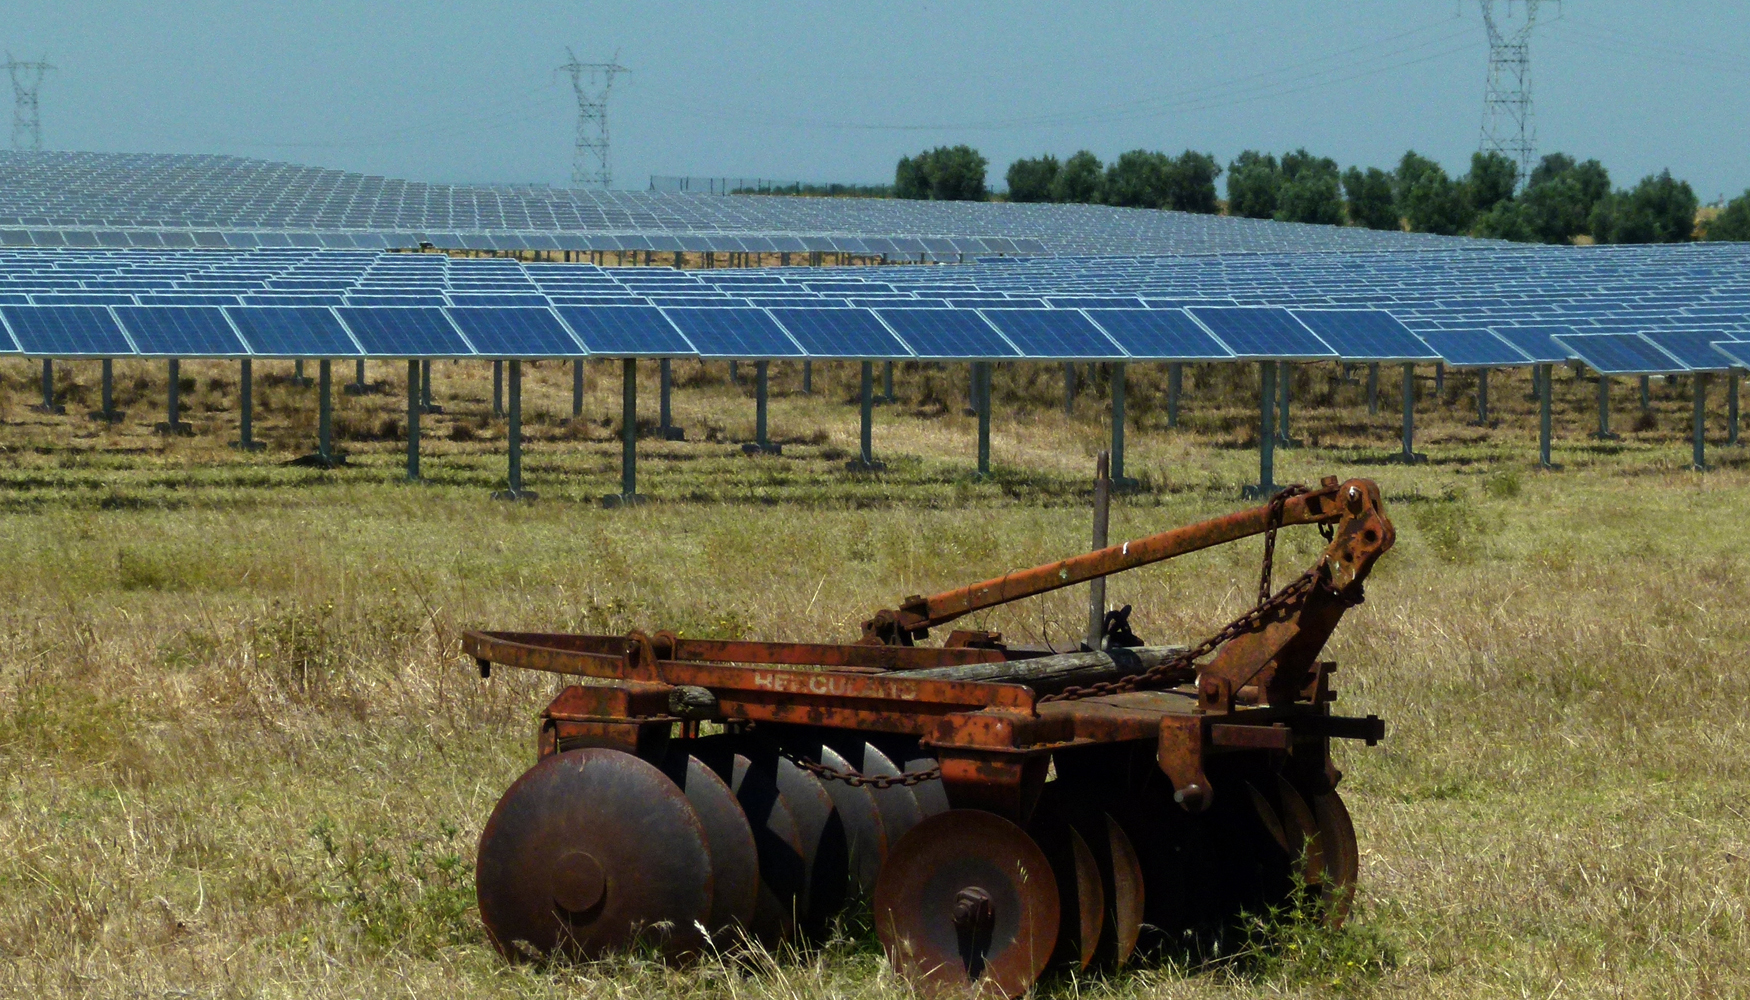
917,615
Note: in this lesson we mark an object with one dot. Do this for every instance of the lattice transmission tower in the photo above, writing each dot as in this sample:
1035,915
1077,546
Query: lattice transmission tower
1507,123
592,82
27,123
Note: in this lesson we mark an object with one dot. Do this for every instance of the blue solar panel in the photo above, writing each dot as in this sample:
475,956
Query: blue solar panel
1261,333
181,331
1159,335
400,299
1694,348
1621,354
66,331
1537,342
1053,333
1738,351
947,334
1365,335
404,331
841,333
625,331
292,331
516,332
727,332
1093,302
1474,348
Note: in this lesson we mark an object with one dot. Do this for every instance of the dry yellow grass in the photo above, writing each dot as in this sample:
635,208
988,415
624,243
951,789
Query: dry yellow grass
240,756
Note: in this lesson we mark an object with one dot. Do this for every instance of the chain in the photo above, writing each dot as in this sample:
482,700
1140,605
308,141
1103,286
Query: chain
855,780
1182,668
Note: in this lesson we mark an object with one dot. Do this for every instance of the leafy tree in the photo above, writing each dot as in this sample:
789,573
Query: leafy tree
1139,179
1368,198
1311,190
1660,209
1079,180
1428,199
1032,180
1253,184
1191,183
1493,178
946,173
1734,222
1507,220
910,180
1560,196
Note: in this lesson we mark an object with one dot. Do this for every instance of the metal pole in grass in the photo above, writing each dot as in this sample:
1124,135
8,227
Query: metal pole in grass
1541,373
1646,393
1700,457
866,459
413,381
576,388
1102,520
324,412
1069,388
1604,410
173,397
1409,457
760,369
981,400
48,405
1266,485
1175,379
628,434
246,407
1373,389
515,437
1483,396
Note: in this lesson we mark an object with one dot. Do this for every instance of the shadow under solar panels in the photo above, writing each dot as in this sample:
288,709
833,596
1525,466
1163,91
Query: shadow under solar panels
1261,333
181,331
1365,335
1537,342
515,332
1622,354
292,331
404,332
625,331
729,332
1476,348
948,334
1159,335
841,333
66,331
1054,334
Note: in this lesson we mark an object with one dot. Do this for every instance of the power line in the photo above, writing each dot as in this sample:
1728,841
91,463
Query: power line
27,79
1508,128
592,82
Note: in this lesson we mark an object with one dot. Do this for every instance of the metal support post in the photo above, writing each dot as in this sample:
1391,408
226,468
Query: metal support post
577,389
1439,382
48,404
1373,390
515,438
1102,521
1482,397
866,458
498,388
108,412
981,400
1409,456
1699,464
1541,374
628,494
1646,393
357,388
246,407
1069,388
298,378
1175,380
1603,433
1284,390
1266,486
413,380
761,442
173,401
1117,460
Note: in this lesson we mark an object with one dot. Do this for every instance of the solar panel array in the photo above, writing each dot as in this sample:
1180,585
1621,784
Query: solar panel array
56,199
1668,305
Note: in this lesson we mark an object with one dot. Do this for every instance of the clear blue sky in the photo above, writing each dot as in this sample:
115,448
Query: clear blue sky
838,91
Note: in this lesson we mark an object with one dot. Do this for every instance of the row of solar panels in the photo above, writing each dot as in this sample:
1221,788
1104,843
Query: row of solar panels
1193,334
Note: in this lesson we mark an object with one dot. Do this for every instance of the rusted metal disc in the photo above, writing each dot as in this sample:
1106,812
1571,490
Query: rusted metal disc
865,836
825,854
1125,893
1304,842
735,866
589,852
899,806
1342,855
967,904
1081,899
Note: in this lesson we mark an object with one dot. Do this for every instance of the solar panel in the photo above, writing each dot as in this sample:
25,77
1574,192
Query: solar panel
1621,354
66,331
947,334
625,331
516,332
1365,335
729,332
1694,348
841,333
1058,334
1537,342
292,331
1159,335
1261,333
1738,351
1474,348
404,331
181,331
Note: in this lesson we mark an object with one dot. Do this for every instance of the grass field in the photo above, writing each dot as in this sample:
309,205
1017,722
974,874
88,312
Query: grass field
240,754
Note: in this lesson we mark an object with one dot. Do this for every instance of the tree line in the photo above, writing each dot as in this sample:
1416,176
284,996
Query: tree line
1562,200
